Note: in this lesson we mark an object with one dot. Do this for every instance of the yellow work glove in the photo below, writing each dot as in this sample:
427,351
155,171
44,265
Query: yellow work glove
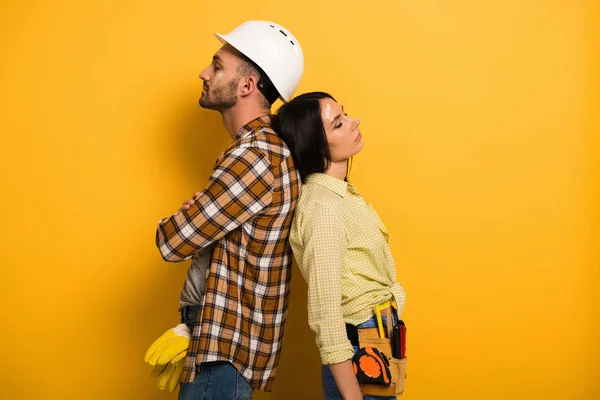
168,373
170,348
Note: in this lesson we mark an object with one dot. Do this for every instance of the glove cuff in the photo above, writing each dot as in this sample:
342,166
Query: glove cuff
183,330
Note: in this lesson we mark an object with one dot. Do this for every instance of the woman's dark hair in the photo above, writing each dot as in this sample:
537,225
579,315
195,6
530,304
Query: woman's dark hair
300,125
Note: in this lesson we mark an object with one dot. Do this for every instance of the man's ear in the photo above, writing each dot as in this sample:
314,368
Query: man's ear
248,85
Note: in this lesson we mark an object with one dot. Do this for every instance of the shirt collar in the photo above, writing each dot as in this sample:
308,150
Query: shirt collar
262,121
336,185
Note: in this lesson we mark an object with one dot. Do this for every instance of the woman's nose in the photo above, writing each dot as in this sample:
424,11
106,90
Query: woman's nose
355,122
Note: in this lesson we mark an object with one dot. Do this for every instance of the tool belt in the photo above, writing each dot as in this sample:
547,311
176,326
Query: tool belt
380,363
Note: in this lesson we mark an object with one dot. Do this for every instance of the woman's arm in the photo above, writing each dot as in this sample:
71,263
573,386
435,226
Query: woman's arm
343,373
319,242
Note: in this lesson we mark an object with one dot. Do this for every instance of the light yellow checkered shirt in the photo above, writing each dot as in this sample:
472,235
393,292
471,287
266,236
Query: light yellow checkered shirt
341,247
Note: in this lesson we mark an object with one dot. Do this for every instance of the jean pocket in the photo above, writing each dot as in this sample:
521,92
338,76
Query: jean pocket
243,390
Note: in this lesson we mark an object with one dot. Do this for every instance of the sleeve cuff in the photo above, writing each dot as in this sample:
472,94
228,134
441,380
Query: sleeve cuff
338,354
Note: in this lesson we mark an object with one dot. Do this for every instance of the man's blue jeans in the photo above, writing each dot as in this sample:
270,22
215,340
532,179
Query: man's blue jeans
218,380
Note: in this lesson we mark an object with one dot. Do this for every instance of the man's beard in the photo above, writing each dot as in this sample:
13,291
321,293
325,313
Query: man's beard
221,98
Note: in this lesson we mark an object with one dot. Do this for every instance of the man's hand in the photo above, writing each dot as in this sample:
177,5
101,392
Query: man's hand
186,204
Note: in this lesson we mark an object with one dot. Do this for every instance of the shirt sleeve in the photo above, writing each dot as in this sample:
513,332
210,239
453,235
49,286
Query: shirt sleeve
319,242
241,186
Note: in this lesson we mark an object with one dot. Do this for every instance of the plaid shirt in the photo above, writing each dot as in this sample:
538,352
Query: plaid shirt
246,211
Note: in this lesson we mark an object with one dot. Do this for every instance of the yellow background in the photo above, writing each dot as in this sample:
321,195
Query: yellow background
480,122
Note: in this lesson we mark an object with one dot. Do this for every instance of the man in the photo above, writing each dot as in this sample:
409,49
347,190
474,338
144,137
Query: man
236,292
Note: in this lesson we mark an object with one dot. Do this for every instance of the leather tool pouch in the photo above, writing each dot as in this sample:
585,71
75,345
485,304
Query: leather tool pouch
378,373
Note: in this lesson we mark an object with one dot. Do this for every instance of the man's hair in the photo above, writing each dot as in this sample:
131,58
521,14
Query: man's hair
248,67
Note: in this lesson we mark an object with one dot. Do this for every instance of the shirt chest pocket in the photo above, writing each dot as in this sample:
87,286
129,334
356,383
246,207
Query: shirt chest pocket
366,231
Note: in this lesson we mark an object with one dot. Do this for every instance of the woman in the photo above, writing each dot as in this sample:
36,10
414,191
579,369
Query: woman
338,241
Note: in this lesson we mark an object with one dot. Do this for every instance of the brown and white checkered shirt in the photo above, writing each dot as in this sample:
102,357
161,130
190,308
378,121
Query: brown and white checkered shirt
246,211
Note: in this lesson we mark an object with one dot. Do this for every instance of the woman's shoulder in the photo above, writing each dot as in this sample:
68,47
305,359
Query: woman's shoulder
316,201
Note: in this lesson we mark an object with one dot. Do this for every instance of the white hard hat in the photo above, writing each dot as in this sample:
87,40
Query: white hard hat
274,49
